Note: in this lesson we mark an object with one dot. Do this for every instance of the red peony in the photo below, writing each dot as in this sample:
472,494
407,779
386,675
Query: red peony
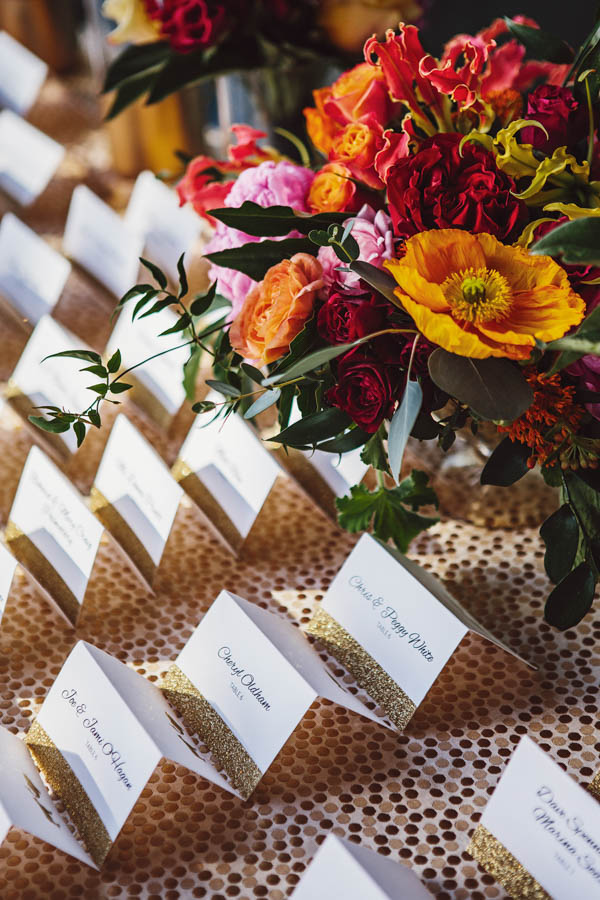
366,389
345,318
189,24
563,117
439,188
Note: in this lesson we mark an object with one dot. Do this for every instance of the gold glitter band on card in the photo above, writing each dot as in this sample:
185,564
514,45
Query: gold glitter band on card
594,786
114,522
63,781
367,672
203,498
506,869
202,719
23,548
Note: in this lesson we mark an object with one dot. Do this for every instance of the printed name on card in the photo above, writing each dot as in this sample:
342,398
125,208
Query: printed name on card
168,230
32,274
227,470
135,496
158,386
8,564
539,835
22,75
28,158
53,382
352,872
392,625
52,533
98,239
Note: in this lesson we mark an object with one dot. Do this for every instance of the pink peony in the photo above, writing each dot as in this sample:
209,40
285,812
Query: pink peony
269,184
373,233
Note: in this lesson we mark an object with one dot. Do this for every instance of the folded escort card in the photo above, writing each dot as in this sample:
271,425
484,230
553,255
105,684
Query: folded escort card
97,238
54,382
243,682
167,229
8,564
26,804
22,75
539,835
349,871
28,158
52,533
135,496
392,625
227,470
158,384
32,274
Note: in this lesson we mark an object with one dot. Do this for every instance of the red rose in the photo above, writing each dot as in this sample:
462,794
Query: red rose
189,24
563,117
437,188
346,318
366,389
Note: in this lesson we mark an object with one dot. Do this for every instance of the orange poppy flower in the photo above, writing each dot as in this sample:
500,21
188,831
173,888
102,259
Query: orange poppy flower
476,297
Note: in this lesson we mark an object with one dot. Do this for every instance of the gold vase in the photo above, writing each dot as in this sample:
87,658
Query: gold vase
47,27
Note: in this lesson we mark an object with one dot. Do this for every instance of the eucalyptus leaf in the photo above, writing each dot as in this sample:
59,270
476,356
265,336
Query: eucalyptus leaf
402,424
261,403
309,363
507,463
495,389
576,242
379,279
571,599
227,390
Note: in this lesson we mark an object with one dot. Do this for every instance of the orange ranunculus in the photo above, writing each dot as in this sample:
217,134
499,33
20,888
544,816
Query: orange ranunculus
333,190
476,297
276,310
356,147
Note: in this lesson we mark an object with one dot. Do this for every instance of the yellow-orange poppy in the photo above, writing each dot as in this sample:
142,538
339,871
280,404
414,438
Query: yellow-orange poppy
476,297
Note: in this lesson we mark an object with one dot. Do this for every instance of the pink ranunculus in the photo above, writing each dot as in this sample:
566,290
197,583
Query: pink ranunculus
587,369
373,233
269,184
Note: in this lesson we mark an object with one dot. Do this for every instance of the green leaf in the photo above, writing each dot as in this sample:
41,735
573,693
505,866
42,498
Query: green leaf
256,259
312,361
585,340
253,373
227,390
183,282
379,279
261,403
133,60
119,387
374,453
94,417
131,90
157,307
319,237
203,406
314,428
184,321
203,303
190,373
144,299
87,355
79,429
344,443
402,424
576,242
99,371
571,599
98,389
157,273
135,291
539,44
495,389
53,426
560,533
507,463
415,490
114,362
273,221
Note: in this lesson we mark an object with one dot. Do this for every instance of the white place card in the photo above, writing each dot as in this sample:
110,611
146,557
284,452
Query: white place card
228,471
26,804
540,830
159,383
32,274
8,564
54,382
243,682
22,75
168,230
98,239
135,496
53,534
28,158
393,625
352,872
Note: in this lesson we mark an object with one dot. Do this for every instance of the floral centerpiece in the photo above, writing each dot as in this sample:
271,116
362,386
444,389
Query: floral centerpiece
440,269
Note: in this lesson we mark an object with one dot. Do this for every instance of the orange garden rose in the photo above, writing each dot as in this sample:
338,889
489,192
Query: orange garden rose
333,190
276,310
476,297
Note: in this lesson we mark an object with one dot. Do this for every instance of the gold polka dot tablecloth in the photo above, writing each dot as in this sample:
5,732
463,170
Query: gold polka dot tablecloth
414,797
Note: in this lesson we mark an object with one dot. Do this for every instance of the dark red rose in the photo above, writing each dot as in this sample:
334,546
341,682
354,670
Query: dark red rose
563,117
345,317
366,389
578,275
190,24
437,188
